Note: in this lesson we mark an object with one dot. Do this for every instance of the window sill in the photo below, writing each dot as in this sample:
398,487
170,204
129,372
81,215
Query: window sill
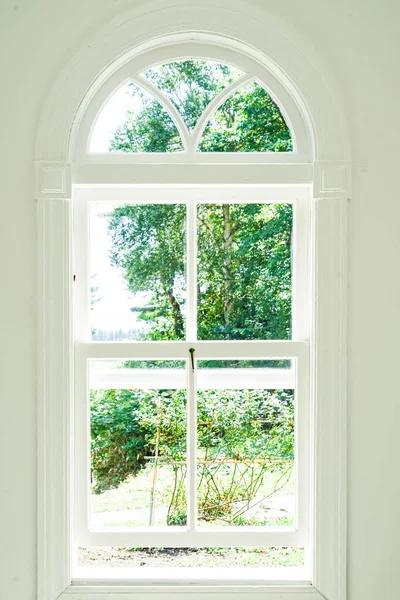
91,583
179,576
212,590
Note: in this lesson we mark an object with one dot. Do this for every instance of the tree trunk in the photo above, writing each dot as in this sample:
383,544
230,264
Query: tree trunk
227,267
178,319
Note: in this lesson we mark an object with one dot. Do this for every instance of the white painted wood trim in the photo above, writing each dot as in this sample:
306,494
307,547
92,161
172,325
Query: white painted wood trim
196,158
191,443
207,379
312,86
329,356
54,386
180,350
175,171
191,538
54,396
301,272
173,193
191,265
211,592
52,180
203,46
184,576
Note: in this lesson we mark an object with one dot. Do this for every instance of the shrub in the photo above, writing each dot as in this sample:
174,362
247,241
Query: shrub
239,432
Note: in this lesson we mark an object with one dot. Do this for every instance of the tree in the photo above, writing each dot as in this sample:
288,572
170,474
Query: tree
191,85
148,243
244,250
248,121
244,271
244,292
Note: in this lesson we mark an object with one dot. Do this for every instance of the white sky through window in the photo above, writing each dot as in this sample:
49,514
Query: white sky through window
111,116
112,311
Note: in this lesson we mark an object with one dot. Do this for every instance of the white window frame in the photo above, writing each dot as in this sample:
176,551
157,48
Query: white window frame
325,167
298,349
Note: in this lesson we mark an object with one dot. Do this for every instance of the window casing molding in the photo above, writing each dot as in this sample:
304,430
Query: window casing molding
56,173
55,425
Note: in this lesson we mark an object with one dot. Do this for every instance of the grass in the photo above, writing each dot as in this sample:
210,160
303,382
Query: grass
129,504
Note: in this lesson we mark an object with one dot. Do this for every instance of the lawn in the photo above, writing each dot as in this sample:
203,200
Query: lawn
129,504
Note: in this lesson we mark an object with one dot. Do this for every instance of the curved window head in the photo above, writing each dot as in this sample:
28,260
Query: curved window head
188,106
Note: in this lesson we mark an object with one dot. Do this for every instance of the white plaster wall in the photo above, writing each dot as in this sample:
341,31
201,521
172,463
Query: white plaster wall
358,42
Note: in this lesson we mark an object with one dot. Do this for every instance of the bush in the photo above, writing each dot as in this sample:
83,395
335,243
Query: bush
118,440
239,432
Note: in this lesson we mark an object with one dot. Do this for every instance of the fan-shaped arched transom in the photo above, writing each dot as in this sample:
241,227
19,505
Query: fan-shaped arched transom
191,106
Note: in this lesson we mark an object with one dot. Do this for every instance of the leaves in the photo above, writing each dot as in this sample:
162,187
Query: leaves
191,85
148,243
147,129
248,121
244,292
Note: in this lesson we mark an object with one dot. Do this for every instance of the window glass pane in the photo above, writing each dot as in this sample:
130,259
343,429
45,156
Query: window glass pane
138,443
137,270
112,556
246,449
244,271
248,121
191,84
266,365
247,374
133,121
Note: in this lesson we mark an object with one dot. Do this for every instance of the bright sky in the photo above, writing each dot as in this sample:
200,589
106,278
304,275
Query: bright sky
112,312
112,115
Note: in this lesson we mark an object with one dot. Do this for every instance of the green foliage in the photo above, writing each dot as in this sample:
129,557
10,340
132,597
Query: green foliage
191,85
242,435
239,432
244,292
119,442
149,129
244,271
244,268
148,243
248,121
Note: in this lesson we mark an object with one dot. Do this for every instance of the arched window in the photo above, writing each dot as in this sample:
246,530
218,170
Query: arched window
198,253
208,438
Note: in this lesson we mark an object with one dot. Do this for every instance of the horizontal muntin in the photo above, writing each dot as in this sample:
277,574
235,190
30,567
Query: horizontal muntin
207,379
220,350
235,536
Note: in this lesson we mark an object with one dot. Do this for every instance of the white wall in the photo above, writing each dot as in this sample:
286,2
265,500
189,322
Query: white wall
358,41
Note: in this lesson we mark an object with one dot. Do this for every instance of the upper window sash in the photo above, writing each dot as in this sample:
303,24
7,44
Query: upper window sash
191,196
